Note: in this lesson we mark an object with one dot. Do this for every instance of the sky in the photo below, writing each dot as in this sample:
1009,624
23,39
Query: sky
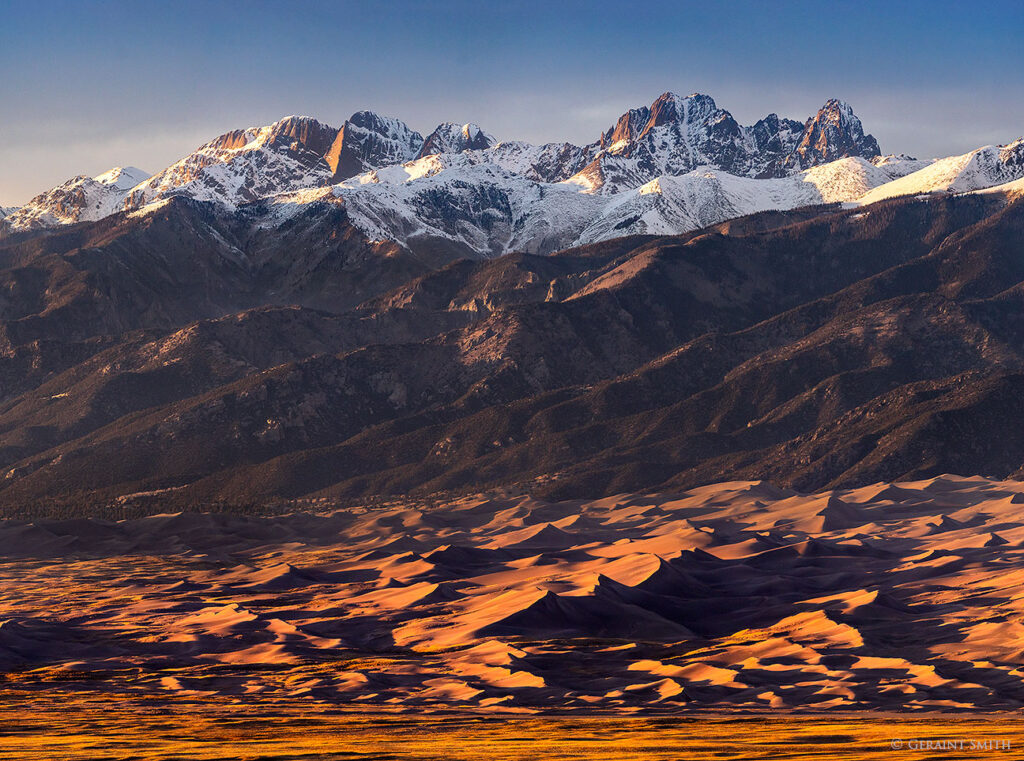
85,86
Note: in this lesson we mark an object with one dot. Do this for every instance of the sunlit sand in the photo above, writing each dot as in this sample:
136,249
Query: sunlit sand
625,627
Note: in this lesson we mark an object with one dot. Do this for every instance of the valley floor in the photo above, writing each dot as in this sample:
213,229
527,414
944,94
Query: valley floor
212,730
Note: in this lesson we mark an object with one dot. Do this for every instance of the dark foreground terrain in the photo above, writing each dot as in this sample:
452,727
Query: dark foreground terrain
184,357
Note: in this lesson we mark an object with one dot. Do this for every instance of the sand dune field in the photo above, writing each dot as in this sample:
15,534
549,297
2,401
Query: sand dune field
728,600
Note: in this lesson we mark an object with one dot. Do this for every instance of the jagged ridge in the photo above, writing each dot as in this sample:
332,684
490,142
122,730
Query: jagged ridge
677,165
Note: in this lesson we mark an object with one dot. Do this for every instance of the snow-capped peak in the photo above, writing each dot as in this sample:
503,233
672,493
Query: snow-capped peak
476,138
833,133
80,199
122,177
369,141
834,107
453,138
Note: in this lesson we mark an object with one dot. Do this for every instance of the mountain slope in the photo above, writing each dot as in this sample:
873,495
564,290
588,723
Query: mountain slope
982,168
828,347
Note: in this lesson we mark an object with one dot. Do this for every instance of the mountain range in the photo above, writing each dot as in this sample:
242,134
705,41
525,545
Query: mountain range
298,311
676,166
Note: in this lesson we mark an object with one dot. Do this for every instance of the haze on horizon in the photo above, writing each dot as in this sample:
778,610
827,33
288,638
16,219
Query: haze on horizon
88,87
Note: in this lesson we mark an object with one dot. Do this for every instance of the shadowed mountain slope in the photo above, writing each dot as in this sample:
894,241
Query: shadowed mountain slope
199,356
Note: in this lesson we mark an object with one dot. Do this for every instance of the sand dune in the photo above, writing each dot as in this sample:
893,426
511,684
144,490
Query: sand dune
738,596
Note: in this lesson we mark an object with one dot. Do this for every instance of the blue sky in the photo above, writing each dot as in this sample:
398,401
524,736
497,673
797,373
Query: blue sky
88,85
